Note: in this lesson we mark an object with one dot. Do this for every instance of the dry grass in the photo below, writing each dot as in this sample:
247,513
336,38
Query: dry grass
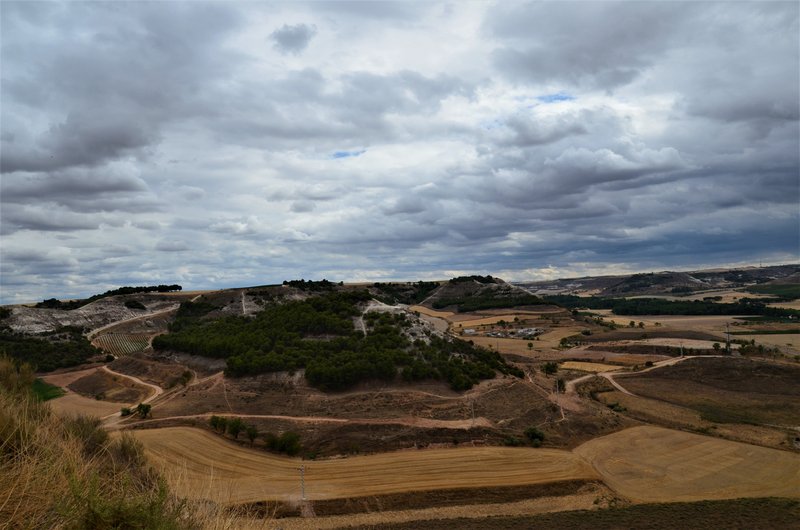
204,465
651,464
588,367
431,312
68,473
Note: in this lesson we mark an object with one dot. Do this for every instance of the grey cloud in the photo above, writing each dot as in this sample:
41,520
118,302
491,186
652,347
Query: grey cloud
302,206
172,246
597,44
293,39
81,139
46,218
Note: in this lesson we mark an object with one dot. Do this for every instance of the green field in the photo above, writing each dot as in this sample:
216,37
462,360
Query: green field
45,391
788,291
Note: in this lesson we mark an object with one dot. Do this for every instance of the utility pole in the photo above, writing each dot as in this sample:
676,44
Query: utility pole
727,337
472,403
302,481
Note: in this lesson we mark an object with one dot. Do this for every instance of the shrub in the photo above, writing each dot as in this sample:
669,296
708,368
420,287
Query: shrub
533,434
134,304
235,426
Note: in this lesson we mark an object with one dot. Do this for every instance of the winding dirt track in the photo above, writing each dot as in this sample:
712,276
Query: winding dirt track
202,465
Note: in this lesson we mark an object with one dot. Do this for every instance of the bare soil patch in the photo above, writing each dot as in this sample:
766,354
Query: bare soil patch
726,390
163,374
749,514
105,386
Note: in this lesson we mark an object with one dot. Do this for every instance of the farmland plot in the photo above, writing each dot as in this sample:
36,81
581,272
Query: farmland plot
121,344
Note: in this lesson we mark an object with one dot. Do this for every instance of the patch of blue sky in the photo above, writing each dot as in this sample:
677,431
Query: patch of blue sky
555,98
347,154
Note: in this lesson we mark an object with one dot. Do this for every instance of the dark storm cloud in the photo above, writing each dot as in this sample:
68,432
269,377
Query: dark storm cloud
293,39
112,77
592,44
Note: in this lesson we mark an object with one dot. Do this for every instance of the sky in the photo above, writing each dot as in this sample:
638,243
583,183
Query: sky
234,144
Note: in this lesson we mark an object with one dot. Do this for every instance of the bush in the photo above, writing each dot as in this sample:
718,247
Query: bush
533,434
512,441
550,368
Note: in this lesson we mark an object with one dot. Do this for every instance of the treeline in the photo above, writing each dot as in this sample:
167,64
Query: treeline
660,306
287,442
404,293
473,278
318,335
64,348
477,302
190,313
782,292
311,285
54,303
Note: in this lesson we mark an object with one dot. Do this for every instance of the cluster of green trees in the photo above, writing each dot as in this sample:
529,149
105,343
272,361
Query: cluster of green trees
287,442
54,303
783,292
66,347
318,334
491,300
190,313
404,293
311,285
660,306
473,278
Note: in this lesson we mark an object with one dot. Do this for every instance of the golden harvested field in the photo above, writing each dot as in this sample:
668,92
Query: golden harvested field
487,321
549,340
794,304
431,312
778,339
652,464
588,367
74,404
707,323
200,464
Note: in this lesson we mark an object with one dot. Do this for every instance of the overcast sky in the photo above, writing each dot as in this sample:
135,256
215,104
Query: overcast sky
226,144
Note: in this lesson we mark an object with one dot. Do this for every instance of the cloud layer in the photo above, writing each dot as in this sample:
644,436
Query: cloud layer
222,144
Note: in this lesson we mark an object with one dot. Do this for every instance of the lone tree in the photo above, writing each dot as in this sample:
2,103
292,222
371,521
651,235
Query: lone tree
235,426
143,409
535,436
252,433
550,368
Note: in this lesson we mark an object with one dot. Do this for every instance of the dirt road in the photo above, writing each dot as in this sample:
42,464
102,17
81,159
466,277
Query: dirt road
93,333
